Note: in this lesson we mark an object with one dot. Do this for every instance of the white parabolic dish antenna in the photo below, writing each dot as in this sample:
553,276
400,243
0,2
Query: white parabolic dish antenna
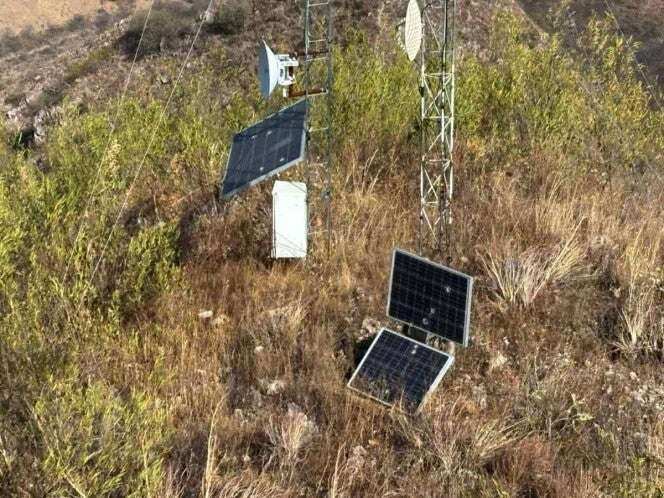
413,30
268,69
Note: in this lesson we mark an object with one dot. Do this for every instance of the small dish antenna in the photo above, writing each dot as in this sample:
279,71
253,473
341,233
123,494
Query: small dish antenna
274,70
413,30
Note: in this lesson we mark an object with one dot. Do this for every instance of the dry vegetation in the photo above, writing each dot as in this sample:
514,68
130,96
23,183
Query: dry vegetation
113,385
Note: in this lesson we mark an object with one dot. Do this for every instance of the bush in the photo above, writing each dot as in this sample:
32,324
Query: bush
88,65
102,20
26,40
151,264
164,27
51,96
536,96
94,436
231,18
76,23
370,87
15,99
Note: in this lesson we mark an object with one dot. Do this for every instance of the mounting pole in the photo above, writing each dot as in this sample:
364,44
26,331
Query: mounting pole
318,83
437,87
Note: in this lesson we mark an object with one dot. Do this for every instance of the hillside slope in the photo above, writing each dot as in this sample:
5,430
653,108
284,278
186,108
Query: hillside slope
38,15
150,345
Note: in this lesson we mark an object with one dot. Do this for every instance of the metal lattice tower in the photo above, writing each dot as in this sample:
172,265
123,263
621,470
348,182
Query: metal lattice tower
318,84
437,87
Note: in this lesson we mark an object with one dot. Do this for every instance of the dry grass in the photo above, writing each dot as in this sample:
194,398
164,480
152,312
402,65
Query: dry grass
556,255
296,324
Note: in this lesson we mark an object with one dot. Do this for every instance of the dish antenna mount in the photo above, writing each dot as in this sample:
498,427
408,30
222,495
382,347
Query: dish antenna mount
275,70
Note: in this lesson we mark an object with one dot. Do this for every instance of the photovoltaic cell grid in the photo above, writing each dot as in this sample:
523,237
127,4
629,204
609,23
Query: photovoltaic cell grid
430,297
265,149
397,369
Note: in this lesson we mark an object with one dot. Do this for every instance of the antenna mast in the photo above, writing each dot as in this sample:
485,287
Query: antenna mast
437,125
319,74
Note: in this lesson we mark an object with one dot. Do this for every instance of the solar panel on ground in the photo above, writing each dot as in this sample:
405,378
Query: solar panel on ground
430,297
265,149
397,369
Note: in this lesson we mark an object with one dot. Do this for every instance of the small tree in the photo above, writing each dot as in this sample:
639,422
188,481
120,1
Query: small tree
163,26
231,17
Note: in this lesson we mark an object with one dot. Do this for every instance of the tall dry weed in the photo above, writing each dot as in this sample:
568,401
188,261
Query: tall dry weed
250,485
519,279
290,436
641,276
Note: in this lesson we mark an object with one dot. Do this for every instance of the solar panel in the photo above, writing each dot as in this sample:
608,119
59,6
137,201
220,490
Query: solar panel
430,297
265,149
397,369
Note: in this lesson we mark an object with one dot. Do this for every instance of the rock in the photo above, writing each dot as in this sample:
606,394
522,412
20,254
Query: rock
39,125
258,349
205,315
43,119
370,327
14,114
220,321
256,398
208,16
274,387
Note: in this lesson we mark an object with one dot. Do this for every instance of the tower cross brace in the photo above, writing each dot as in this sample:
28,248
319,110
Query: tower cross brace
437,88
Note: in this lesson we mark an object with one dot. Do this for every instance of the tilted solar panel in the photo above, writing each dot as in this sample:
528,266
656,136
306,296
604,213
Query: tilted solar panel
397,369
430,297
265,149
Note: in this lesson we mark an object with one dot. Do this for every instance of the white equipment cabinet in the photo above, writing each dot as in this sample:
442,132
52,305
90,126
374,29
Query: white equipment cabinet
289,220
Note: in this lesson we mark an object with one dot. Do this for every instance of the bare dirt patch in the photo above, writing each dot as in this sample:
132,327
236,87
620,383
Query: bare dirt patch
17,15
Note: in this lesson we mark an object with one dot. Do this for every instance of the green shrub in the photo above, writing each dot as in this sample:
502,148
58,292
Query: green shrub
152,256
88,65
15,99
51,96
100,443
535,95
165,26
375,98
76,23
231,17
23,41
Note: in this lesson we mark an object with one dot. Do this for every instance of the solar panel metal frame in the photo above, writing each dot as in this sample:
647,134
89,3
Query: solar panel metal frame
432,387
275,171
469,296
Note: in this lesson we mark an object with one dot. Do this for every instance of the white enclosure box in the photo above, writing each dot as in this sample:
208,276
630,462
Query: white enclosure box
289,220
